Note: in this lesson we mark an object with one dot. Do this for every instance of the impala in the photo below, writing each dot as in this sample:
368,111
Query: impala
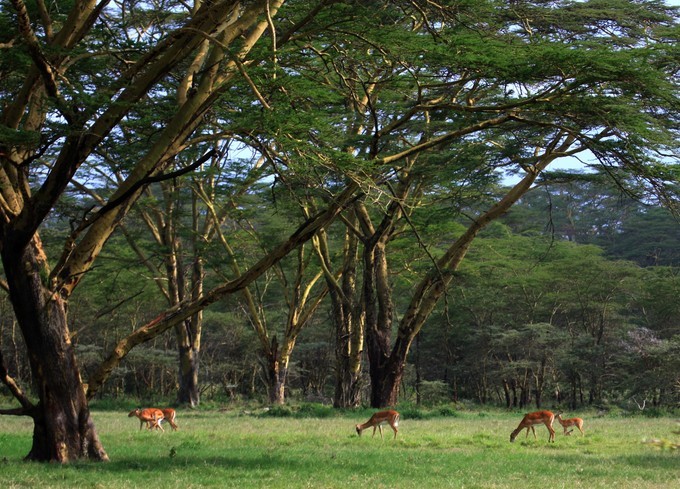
578,422
531,419
152,416
169,416
378,419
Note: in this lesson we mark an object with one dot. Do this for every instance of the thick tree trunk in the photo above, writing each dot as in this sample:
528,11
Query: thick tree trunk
188,393
347,318
385,375
277,373
277,393
378,307
63,428
352,381
348,347
385,387
348,352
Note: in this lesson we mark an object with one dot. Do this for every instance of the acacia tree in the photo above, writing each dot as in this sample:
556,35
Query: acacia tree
525,84
184,217
72,75
288,284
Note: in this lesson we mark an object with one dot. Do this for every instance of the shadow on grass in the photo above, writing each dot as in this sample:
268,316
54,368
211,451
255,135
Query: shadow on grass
229,463
656,459
152,463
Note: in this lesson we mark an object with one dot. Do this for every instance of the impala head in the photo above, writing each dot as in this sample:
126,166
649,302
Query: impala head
513,435
358,427
134,412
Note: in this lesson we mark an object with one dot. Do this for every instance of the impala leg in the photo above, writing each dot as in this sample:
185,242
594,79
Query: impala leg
381,433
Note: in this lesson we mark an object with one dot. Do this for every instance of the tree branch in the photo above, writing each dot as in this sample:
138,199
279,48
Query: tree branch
26,404
180,312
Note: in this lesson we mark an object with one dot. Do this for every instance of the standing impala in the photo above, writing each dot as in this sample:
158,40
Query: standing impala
531,419
578,422
378,419
151,416
169,416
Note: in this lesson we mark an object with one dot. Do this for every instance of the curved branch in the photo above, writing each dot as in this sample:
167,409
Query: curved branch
113,204
39,58
26,405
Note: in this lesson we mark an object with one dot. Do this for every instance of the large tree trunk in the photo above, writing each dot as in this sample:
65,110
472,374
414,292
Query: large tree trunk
63,428
189,338
277,388
385,375
348,349
349,333
188,393
348,319
277,360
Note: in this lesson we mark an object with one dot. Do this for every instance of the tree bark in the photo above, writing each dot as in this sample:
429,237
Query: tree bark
378,306
348,320
63,429
188,393
277,374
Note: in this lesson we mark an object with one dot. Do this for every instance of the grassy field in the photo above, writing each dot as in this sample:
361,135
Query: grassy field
469,450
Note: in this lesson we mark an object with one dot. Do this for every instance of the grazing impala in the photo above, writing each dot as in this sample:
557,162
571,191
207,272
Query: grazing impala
531,419
578,422
378,419
151,416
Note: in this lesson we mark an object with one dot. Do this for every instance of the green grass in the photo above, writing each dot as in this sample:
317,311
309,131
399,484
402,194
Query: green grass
469,450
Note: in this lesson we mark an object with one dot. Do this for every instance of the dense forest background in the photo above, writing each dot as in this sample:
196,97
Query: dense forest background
571,298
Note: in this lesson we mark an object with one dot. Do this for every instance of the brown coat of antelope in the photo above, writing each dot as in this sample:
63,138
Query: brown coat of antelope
566,423
377,420
531,419
169,415
151,416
